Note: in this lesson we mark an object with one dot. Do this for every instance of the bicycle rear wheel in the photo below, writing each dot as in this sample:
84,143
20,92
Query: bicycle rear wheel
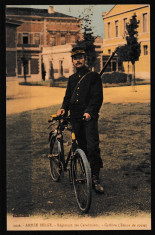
82,182
54,157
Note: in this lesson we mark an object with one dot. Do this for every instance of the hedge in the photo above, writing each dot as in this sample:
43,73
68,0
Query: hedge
115,77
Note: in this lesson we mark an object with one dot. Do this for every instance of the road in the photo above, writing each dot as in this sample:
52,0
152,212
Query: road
34,97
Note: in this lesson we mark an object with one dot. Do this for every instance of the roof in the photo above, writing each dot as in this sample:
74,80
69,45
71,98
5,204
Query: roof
123,8
13,22
34,12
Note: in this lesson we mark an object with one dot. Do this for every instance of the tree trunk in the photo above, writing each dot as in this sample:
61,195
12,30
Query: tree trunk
128,79
24,68
133,77
52,81
133,74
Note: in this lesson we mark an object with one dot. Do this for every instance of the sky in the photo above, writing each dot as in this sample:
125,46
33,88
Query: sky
76,10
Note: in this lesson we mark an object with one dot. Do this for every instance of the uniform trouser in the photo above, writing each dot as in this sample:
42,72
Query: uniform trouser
87,135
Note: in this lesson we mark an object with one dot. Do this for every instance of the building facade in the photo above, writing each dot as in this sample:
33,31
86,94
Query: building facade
41,36
11,47
115,31
99,54
58,61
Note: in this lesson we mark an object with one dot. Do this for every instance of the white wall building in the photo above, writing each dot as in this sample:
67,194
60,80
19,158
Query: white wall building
58,61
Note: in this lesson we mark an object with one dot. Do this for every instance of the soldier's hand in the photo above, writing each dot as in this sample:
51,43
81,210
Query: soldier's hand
87,116
60,112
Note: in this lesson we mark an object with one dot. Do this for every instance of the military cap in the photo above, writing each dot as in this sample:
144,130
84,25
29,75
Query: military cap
78,50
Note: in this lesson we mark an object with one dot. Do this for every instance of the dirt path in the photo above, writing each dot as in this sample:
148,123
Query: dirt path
34,97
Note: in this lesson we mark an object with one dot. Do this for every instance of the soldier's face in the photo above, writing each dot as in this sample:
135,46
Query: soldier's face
78,61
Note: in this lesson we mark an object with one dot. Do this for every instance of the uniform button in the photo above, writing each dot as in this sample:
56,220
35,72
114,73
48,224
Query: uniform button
79,76
78,88
76,100
77,94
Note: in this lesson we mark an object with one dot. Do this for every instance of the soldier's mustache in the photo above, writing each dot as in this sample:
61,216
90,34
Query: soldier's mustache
78,63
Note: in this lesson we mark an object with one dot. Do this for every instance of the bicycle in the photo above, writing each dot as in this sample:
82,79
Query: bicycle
76,162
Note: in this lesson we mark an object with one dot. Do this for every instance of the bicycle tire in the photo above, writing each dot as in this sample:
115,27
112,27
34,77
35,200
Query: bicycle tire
82,182
55,163
70,173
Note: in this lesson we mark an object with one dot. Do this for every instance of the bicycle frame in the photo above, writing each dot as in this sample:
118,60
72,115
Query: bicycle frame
58,134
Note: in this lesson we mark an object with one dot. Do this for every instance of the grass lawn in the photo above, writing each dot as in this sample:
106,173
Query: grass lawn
125,149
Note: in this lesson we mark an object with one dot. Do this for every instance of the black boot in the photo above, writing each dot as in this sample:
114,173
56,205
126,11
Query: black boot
96,181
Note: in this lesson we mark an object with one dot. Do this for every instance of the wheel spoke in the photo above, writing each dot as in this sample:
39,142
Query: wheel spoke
82,181
55,164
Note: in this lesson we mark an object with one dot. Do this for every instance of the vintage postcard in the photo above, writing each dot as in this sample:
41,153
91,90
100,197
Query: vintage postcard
91,61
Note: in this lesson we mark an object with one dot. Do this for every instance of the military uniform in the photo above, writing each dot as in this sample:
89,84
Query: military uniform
87,98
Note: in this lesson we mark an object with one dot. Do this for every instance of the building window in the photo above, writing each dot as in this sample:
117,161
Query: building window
113,66
108,68
52,41
25,38
20,38
36,38
72,39
109,30
63,40
34,66
145,50
145,22
109,51
116,28
120,66
124,24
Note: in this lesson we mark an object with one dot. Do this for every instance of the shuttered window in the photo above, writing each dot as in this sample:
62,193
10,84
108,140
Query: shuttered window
116,28
109,30
145,49
20,38
31,38
63,40
34,66
36,38
52,41
145,22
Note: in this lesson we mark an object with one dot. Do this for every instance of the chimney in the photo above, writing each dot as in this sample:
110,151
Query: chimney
103,14
51,9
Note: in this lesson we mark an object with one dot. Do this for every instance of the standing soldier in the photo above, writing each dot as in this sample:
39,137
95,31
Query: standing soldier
84,97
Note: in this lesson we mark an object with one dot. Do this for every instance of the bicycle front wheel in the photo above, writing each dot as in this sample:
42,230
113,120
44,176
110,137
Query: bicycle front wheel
55,163
82,182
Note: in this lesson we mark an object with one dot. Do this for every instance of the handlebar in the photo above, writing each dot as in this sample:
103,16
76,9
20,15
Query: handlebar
55,117
65,120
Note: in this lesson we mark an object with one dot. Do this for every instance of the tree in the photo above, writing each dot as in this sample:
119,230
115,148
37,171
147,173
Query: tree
88,38
131,51
123,56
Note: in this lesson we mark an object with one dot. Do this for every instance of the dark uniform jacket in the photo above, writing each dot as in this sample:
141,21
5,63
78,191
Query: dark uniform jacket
88,96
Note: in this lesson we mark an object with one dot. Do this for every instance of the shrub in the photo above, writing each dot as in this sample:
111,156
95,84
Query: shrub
115,77
61,79
35,83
